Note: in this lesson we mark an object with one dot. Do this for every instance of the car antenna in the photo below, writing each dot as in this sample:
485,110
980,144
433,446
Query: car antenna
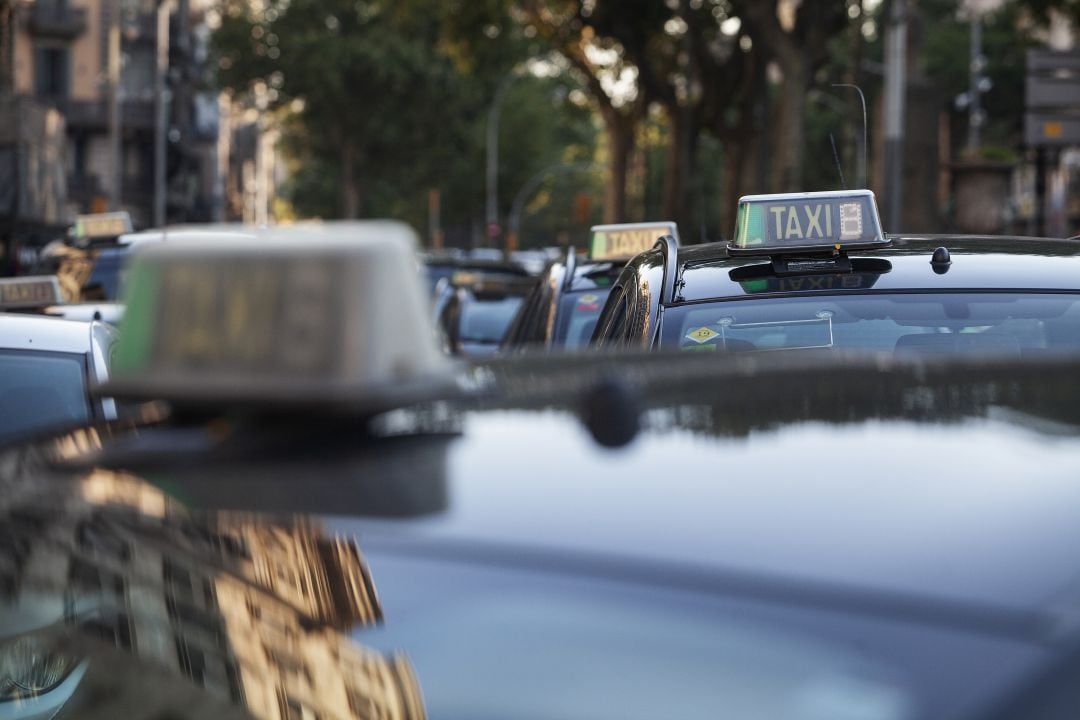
864,168
836,157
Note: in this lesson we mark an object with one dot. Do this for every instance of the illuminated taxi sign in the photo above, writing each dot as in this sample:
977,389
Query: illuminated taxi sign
327,317
622,242
102,226
806,222
30,292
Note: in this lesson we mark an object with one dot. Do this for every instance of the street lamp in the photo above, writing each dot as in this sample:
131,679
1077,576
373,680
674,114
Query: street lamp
493,230
527,189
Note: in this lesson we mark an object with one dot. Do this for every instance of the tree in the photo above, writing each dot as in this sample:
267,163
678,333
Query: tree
799,45
609,79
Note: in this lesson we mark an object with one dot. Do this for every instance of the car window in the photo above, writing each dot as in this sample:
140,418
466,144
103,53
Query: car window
960,323
486,321
41,390
106,279
578,315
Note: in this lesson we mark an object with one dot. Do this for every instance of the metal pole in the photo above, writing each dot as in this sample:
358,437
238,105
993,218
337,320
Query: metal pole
895,91
161,111
262,167
975,103
492,214
861,175
10,241
115,148
1040,191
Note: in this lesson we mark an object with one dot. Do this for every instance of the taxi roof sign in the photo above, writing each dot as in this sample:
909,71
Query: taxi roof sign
101,226
331,318
815,222
624,241
30,292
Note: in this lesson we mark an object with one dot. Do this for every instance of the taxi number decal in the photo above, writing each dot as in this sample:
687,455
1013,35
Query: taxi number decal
702,335
588,303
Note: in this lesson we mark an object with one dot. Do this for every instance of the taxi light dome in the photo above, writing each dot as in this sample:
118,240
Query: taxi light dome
813,222
623,241
326,316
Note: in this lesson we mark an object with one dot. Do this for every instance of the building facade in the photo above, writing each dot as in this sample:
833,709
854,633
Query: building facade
60,57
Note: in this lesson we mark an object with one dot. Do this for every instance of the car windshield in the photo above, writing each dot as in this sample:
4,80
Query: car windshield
578,313
485,320
957,323
41,390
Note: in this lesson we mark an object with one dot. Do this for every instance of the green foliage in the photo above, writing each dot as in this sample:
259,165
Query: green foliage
406,88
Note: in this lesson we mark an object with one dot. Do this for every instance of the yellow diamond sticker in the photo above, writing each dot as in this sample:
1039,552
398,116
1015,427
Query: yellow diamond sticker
701,335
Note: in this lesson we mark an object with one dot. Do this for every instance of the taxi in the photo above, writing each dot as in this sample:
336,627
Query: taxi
93,264
473,308
47,365
318,515
814,271
562,310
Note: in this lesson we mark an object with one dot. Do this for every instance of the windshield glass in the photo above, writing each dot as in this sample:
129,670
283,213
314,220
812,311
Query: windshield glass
578,313
40,390
486,321
107,276
958,323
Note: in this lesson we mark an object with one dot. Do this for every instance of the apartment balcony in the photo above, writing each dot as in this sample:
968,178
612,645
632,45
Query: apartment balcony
94,116
57,20
140,28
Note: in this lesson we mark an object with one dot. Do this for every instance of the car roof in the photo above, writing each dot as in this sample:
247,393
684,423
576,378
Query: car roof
48,334
746,508
990,262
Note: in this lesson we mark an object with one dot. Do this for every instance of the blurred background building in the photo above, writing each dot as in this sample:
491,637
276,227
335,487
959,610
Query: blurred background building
226,616
102,87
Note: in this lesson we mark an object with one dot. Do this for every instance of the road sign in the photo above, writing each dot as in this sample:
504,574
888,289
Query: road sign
1052,60
1052,92
1051,129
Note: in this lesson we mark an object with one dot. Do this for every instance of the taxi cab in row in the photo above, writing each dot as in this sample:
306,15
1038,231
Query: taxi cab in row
474,306
332,521
813,270
562,310
47,364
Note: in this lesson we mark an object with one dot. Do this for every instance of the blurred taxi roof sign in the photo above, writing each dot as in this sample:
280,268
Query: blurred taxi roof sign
624,241
101,227
31,292
332,318
814,222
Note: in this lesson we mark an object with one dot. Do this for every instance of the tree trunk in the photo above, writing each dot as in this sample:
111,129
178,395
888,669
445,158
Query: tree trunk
791,127
739,176
620,144
674,206
350,197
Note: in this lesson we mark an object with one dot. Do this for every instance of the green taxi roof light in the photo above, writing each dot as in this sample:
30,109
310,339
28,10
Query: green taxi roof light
102,225
290,317
794,223
624,241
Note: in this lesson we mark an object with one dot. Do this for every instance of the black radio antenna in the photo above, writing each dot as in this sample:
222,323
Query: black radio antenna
864,169
836,157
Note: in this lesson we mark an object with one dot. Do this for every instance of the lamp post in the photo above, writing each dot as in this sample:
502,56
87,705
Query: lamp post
527,189
492,231
161,124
